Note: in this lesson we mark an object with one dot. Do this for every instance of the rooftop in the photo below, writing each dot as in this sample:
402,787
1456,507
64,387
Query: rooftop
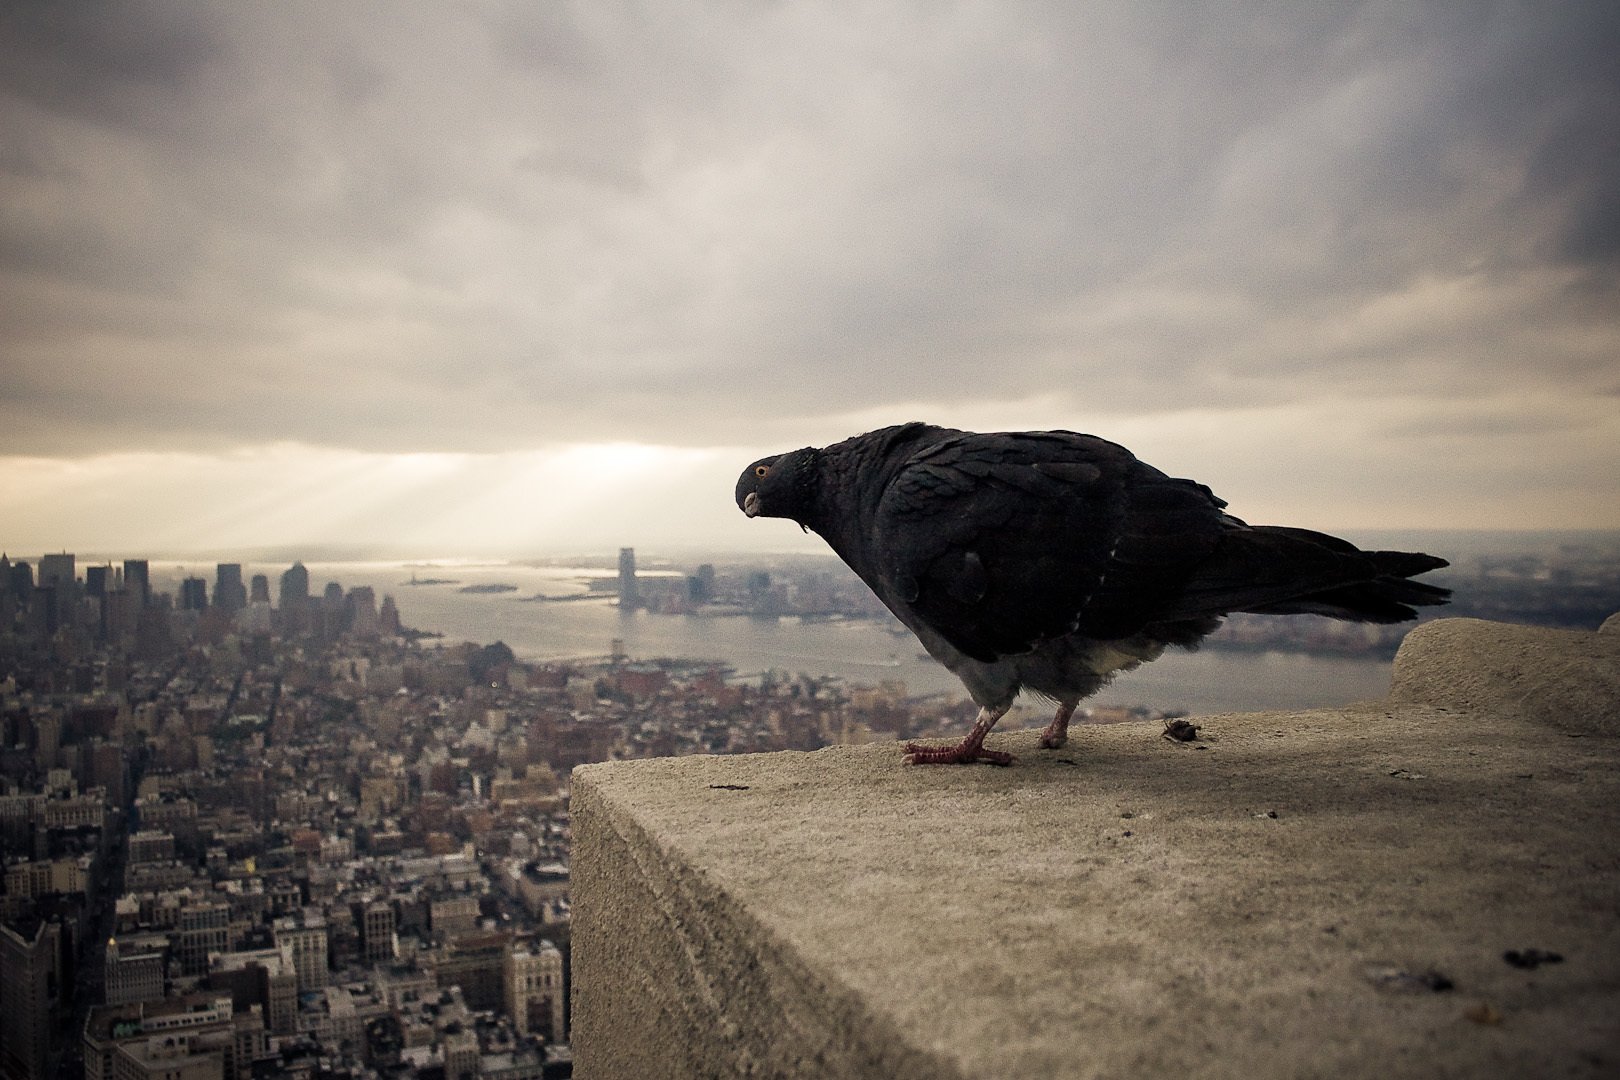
1426,885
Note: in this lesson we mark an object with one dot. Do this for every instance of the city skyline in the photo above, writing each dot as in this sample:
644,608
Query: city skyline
513,280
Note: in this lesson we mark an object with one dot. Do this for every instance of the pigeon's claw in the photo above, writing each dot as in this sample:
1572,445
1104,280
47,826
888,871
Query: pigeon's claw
969,750
960,754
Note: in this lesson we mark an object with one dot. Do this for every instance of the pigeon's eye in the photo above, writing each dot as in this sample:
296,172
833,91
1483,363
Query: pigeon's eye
762,471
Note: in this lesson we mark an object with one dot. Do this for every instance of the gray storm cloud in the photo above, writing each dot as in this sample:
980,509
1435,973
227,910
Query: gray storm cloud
500,226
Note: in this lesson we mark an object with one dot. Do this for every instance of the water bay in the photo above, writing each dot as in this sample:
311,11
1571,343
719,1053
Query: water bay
859,650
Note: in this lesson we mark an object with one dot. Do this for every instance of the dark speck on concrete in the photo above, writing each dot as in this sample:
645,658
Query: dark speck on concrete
1398,980
1530,959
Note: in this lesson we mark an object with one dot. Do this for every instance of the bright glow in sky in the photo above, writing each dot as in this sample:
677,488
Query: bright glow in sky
514,278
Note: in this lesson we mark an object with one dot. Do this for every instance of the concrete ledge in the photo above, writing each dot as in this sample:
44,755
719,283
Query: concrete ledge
1566,679
1320,894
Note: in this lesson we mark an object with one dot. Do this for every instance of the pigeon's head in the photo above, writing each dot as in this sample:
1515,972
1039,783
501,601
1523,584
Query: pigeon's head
780,486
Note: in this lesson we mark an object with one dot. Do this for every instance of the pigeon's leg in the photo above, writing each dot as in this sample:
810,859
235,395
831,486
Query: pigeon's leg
969,749
1057,732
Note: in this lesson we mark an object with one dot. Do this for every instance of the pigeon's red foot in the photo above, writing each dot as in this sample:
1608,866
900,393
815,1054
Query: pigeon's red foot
1057,732
960,754
969,750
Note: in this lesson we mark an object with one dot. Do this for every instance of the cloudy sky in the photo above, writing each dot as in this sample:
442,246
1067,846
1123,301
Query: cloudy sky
514,278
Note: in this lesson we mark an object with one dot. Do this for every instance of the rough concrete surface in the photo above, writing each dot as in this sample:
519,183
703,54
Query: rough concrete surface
1566,679
1317,894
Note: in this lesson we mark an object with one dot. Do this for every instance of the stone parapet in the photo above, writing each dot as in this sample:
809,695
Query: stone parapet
1331,893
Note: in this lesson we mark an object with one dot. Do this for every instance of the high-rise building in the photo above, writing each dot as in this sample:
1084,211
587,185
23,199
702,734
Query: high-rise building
377,930
134,968
293,603
388,617
700,586
59,570
534,990
449,916
361,611
27,957
170,1057
189,1037
294,586
44,615
98,582
194,594
267,978
22,580
119,616
204,928
460,1055
260,591
229,592
102,764
138,580
305,931
16,582
477,964
759,591
47,739
629,594
55,598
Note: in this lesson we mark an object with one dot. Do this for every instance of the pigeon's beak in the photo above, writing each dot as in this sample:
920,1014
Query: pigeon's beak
751,504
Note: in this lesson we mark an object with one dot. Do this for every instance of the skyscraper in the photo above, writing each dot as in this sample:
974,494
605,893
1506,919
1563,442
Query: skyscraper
534,997
134,969
138,580
388,617
294,613
361,611
700,586
22,580
8,599
294,587
194,594
59,570
377,924
27,955
57,591
229,592
629,594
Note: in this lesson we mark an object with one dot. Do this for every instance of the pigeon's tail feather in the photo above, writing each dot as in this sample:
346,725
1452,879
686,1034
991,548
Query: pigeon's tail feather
1384,600
1382,592
1272,570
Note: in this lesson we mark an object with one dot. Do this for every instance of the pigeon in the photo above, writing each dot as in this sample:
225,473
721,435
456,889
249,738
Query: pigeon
1049,561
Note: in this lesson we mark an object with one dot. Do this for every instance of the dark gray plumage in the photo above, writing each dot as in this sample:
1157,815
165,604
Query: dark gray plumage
1049,560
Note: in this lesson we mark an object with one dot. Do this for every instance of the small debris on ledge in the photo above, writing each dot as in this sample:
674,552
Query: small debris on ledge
1180,730
1530,959
1398,980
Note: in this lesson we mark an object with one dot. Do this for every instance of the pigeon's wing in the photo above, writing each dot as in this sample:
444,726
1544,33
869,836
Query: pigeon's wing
1001,541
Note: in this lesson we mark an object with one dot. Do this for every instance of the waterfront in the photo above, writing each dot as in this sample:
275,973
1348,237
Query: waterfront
858,650
1545,578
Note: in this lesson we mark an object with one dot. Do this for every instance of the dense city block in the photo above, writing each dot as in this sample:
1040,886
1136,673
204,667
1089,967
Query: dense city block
255,829
287,837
